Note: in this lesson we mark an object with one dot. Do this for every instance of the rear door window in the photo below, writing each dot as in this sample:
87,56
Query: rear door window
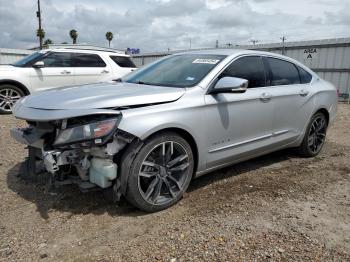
250,68
282,72
58,59
123,61
88,60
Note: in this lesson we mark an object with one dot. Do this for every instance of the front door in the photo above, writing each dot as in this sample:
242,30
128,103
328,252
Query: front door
57,72
239,125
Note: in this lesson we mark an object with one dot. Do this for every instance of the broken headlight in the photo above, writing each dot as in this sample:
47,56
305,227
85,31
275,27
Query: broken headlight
86,132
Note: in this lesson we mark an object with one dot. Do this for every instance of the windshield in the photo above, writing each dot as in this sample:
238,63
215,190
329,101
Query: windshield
27,59
179,71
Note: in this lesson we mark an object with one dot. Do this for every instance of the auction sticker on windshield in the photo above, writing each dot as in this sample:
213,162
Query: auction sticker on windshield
206,61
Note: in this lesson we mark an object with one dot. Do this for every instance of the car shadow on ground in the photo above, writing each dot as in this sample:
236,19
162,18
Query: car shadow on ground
70,199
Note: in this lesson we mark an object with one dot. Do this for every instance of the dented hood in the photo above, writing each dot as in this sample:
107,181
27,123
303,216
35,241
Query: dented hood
101,96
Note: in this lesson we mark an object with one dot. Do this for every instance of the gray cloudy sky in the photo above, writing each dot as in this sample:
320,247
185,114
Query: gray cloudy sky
154,25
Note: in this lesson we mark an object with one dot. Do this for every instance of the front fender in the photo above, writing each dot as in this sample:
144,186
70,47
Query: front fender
145,121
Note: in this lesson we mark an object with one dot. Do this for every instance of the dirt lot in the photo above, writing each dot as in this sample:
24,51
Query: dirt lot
278,207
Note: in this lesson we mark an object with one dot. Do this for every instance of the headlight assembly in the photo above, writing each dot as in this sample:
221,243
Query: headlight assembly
86,132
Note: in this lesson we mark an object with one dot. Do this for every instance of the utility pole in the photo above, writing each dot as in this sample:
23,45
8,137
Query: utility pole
283,38
38,14
217,44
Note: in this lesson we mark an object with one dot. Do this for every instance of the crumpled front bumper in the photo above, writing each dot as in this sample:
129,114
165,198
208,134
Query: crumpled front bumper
27,136
94,164
31,138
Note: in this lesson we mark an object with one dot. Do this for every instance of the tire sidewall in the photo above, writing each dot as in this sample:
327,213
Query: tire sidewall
133,194
9,86
304,147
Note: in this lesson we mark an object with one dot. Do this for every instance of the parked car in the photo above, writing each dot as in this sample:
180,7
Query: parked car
56,68
178,118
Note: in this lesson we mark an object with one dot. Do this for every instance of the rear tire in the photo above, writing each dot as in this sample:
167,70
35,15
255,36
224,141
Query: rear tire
160,173
315,136
9,95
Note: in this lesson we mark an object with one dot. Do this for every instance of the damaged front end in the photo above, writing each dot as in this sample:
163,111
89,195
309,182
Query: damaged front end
81,150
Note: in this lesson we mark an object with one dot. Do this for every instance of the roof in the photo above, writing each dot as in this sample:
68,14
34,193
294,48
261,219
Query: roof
214,51
86,47
233,52
237,52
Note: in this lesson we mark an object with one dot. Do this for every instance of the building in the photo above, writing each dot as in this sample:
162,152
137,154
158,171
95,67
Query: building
8,56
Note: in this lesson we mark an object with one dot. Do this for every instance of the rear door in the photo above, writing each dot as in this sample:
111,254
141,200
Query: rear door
58,71
90,68
239,125
291,98
123,65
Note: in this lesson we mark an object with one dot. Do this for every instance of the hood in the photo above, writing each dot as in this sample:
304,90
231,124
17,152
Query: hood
104,95
6,67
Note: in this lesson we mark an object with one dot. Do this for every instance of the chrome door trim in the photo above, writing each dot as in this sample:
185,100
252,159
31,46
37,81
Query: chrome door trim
278,133
240,143
248,141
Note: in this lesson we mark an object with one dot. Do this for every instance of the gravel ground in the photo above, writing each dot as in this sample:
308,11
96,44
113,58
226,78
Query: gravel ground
279,207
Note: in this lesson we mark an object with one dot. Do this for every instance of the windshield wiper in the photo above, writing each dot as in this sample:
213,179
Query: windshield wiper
143,83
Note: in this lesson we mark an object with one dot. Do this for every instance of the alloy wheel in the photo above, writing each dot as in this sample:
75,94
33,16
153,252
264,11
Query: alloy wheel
8,97
317,134
163,173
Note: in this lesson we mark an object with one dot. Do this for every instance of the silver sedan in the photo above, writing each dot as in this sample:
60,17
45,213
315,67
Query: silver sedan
147,135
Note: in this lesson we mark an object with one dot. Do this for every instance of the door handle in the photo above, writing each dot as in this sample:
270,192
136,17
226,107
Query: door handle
304,92
104,72
65,72
265,97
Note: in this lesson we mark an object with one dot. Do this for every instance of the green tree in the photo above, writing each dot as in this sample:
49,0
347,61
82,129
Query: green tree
109,37
48,42
74,35
41,34
64,43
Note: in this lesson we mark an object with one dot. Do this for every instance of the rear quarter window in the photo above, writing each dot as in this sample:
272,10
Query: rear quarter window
123,61
305,77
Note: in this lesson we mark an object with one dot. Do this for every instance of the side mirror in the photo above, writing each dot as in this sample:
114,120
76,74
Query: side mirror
230,85
39,64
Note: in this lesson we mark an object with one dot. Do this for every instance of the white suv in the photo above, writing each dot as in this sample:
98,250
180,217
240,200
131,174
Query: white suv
59,67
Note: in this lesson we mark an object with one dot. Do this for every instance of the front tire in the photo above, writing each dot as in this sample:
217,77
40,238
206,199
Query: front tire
9,94
315,136
160,173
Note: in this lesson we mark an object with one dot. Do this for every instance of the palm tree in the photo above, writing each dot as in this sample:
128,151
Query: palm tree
48,42
74,35
109,37
41,34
